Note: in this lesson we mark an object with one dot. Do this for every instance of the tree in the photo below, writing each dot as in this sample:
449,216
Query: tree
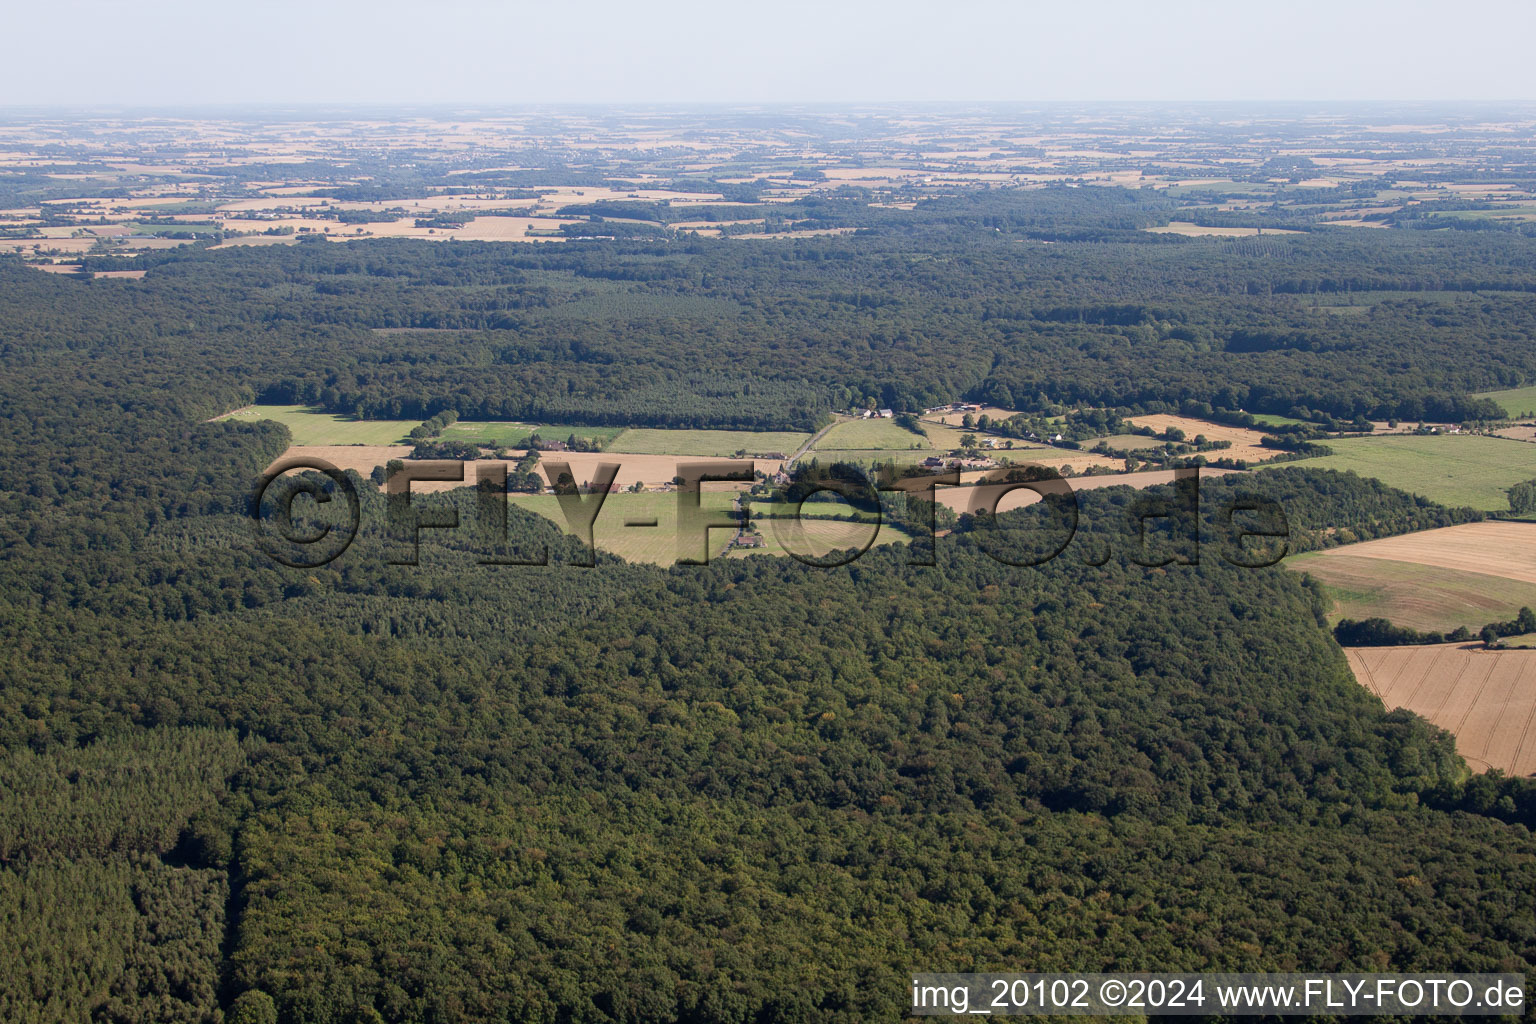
253,1006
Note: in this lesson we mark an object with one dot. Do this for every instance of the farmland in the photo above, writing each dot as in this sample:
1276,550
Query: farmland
705,443
1245,441
1486,699
650,471
870,435
515,435
1434,580
1517,402
1011,496
317,427
1424,597
618,528
810,537
1453,469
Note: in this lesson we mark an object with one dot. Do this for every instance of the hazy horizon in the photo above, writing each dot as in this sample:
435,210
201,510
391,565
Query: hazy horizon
177,55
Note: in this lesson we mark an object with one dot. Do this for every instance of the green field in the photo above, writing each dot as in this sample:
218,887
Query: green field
1126,442
316,427
874,433
654,544
1269,419
515,435
1408,594
868,456
1453,469
648,441
820,537
1516,401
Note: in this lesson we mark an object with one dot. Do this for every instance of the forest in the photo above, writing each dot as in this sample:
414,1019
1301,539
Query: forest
748,791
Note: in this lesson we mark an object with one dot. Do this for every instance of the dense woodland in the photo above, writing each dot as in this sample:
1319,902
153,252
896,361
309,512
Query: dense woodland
749,791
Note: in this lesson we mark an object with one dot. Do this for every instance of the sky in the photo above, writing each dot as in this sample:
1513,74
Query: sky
176,53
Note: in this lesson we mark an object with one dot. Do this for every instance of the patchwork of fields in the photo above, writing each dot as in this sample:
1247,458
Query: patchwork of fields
1486,699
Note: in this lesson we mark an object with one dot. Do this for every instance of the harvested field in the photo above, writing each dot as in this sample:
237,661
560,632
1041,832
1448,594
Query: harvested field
1245,441
961,499
1178,227
1487,699
1492,547
1423,597
647,441
1434,580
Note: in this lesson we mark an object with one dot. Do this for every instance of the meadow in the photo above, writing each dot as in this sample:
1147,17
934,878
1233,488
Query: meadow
1453,469
316,427
515,435
816,538
1517,402
871,434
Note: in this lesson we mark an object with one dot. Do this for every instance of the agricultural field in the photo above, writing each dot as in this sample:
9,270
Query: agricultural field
1434,580
1245,440
515,435
1269,419
871,434
1176,227
617,528
1517,402
1454,469
317,427
1126,442
1423,597
816,538
1010,496
705,443
650,471
957,419
1486,699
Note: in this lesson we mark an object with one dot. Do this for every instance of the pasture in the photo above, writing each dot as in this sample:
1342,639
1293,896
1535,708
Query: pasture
871,434
1486,699
515,435
311,426
816,538
705,443
1453,469
1516,402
